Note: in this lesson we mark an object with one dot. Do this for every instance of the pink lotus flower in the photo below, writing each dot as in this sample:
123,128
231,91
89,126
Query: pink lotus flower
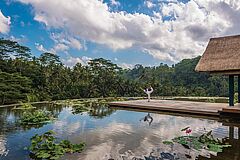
188,131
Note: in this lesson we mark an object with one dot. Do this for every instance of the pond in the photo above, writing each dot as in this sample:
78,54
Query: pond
116,134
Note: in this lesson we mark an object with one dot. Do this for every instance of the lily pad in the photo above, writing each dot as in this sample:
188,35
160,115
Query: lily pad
168,142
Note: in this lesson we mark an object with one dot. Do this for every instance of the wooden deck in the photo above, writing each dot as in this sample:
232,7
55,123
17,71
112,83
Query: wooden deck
186,107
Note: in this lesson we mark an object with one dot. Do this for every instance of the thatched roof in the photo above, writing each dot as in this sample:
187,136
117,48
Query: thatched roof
222,55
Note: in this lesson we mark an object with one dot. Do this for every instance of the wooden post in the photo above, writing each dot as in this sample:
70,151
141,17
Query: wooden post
239,133
231,133
238,88
231,90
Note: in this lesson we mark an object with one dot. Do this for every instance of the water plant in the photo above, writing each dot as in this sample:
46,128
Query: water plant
80,106
45,146
90,101
211,100
236,98
189,142
187,130
168,142
24,106
205,141
77,109
36,117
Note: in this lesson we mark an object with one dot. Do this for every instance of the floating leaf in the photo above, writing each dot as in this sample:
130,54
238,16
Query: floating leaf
36,117
45,146
168,142
205,141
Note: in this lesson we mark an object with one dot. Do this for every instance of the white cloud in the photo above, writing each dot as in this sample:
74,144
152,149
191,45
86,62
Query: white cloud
41,48
4,23
60,47
54,50
86,59
63,42
184,36
74,43
115,3
19,39
149,3
3,145
125,65
71,61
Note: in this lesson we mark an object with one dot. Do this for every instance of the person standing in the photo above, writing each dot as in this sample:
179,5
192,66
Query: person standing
148,91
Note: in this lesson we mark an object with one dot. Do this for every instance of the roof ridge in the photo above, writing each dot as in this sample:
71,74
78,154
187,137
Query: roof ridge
224,37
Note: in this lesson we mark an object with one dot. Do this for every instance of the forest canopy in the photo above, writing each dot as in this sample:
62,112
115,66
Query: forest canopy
24,77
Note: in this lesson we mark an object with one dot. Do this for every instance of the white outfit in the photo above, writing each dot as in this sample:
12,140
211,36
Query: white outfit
148,91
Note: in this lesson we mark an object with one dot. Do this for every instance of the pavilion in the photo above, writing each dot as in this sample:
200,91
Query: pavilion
222,56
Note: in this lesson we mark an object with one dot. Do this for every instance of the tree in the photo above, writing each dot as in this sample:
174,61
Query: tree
49,59
11,49
103,74
13,87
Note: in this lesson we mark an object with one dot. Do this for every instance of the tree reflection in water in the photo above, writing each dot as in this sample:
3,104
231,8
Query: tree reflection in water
9,118
96,108
100,112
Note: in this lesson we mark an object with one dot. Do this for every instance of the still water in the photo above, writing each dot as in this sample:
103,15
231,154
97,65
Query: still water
116,134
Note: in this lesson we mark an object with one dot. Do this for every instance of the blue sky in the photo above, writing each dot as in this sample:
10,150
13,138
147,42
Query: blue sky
128,32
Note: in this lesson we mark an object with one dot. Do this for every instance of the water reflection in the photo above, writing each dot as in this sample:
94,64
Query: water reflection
148,118
118,134
117,139
100,112
3,149
231,153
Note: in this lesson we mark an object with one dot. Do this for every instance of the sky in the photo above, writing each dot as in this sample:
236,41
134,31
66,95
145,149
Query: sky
127,32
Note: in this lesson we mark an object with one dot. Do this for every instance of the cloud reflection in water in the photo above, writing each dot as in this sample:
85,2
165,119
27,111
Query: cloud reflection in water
123,140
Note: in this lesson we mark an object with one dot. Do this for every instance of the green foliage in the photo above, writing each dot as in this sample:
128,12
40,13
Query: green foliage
24,106
36,117
236,98
45,146
211,100
49,59
216,147
27,105
10,48
205,141
13,87
32,98
168,142
80,109
88,105
208,138
189,142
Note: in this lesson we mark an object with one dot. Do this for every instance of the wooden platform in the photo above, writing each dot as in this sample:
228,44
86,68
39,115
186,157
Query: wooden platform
235,109
187,107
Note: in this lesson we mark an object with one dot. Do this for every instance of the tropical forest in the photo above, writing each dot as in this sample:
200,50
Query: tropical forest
26,77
